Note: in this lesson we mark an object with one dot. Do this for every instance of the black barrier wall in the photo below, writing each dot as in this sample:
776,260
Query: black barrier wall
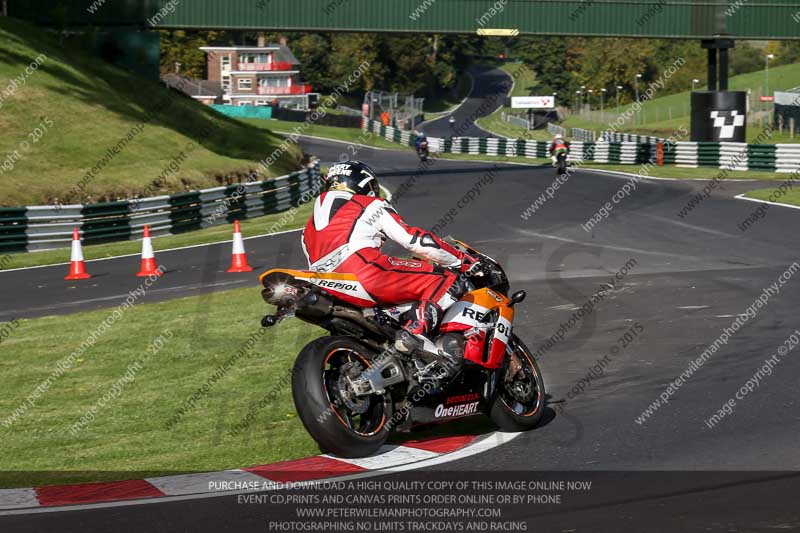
719,116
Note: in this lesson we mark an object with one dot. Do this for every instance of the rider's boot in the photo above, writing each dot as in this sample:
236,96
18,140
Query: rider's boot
422,319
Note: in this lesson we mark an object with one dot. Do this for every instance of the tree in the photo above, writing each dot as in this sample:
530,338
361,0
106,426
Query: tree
179,46
314,52
353,52
745,58
548,57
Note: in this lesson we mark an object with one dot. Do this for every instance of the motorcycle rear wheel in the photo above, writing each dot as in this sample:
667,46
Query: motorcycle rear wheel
340,424
510,412
562,166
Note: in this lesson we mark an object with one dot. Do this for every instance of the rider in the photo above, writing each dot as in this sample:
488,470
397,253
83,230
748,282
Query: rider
421,138
345,233
558,145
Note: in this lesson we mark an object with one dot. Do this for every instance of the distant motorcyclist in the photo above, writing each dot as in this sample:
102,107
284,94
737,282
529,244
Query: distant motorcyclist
559,145
421,144
345,233
421,138
559,150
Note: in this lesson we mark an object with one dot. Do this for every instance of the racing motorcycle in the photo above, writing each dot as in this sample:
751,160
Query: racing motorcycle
422,151
560,161
351,389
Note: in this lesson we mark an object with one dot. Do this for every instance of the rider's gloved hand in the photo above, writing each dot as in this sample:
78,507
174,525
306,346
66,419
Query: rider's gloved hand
470,265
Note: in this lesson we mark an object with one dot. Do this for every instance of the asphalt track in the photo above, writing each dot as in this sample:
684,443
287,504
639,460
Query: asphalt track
692,276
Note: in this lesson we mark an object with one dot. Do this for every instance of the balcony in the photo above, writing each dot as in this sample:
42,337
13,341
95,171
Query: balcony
265,67
294,89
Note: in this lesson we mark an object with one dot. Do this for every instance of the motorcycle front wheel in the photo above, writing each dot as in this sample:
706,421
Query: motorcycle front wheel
339,421
520,401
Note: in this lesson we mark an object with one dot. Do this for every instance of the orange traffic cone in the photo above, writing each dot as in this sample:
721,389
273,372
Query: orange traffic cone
77,269
148,257
239,259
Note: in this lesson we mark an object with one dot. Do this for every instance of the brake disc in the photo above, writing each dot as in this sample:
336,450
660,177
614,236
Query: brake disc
521,390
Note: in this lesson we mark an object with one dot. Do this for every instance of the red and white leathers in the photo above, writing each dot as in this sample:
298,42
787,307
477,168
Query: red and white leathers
558,144
345,234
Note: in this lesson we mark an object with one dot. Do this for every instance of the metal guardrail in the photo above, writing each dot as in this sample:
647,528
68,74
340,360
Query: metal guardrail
553,129
580,134
522,122
349,110
49,227
612,136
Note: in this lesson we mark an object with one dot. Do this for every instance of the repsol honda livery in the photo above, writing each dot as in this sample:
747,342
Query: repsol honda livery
353,388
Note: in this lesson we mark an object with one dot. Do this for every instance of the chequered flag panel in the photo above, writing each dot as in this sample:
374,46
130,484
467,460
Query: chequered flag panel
727,122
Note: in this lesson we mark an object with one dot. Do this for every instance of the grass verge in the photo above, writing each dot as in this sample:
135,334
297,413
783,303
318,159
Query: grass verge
176,412
525,82
494,124
790,197
77,119
130,433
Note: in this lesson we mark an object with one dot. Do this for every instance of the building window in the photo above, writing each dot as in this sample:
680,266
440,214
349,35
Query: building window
226,63
226,83
245,84
254,58
273,81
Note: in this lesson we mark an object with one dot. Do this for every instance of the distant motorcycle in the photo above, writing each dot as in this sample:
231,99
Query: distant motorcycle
560,161
422,151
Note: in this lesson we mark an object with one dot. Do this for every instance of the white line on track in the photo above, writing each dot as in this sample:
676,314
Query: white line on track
388,457
491,441
75,303
629,174
596,245
690,226
339,141
496,162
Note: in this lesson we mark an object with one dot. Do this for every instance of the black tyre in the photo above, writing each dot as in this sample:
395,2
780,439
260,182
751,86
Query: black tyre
519,406
562,165
339,422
